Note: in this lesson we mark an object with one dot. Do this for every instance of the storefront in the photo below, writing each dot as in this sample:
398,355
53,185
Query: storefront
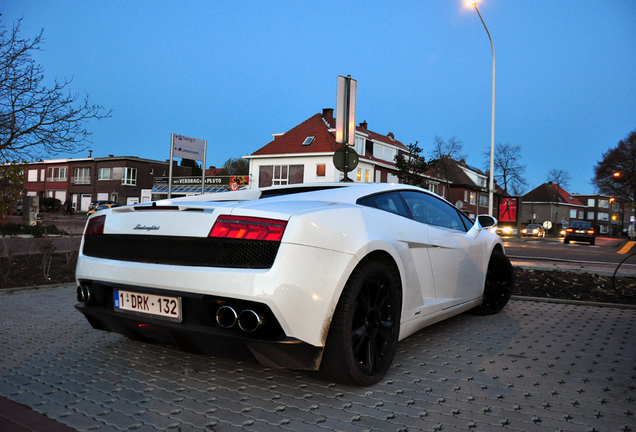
188,186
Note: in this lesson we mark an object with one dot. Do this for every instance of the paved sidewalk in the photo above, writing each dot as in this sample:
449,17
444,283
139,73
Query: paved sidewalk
532,367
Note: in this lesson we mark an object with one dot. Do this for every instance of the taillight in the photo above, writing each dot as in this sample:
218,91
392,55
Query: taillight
569,230
249,228
95,225
590,231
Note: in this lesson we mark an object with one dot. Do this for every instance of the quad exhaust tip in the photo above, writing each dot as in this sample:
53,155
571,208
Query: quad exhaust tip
226,317
247,320
83,294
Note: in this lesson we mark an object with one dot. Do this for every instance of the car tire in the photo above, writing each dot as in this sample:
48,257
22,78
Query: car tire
592,242
498,286
566,241
364,330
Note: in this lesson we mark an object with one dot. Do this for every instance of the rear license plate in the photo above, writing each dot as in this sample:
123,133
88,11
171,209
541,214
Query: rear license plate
165,307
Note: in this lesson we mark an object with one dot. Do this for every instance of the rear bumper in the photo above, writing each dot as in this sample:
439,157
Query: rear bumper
200,333
580,238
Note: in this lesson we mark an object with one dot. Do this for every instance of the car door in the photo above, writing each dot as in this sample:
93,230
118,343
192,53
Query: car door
416,239
457,260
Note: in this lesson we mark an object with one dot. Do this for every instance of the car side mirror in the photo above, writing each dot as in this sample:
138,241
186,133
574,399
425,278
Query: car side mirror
482,222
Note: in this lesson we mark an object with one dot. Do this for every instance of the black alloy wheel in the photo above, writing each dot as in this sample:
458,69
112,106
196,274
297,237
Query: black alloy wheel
498,286
365,327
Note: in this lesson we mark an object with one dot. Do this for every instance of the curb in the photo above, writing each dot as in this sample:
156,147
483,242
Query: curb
574,302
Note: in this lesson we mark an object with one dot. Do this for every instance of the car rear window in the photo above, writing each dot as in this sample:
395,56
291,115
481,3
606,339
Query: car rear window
580,225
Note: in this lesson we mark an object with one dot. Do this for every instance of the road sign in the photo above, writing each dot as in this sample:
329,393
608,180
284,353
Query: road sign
346,110
339,159
188,148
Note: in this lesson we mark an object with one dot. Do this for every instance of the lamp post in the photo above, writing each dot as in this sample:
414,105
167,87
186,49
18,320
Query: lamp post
491,186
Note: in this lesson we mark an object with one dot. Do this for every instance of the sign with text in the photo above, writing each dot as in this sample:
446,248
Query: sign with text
508,209
196,181
188,148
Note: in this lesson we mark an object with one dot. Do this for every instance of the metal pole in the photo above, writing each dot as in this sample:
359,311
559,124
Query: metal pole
170,168
205,151
492,126
346,127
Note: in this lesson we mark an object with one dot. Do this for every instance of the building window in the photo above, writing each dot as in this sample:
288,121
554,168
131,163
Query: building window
603,203
383,152
129,176
104,174
572,214
321,170
465,195
281,175
483,200
590,202
32,176
42,175
359,175
58,174
603,216
472,197
590,215
581,214
82,176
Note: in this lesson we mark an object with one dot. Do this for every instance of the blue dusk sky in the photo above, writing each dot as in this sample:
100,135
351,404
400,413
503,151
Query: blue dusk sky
235,72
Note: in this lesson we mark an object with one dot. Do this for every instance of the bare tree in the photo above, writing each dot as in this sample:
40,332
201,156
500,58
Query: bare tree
444,152
508,171
560,178
36,120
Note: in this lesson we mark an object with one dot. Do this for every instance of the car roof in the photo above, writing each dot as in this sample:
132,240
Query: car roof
331,192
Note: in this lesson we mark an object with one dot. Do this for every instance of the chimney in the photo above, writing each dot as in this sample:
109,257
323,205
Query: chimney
390,135
364,125
327,114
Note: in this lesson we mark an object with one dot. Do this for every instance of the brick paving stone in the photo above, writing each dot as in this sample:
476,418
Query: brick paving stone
513,363
154,419
81,422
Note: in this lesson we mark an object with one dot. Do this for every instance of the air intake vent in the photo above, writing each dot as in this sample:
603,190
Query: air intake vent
182,251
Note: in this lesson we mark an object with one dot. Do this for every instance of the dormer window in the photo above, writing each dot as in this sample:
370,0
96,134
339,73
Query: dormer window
309,140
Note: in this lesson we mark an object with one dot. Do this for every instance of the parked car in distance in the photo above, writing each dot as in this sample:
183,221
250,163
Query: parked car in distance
504,231
533,230
94,204
580,231
324,277
102,207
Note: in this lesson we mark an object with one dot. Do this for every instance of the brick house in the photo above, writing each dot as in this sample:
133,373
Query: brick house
550,202
608,215
125,179
467,188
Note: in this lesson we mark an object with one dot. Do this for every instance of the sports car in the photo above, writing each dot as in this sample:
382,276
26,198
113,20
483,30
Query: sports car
325,277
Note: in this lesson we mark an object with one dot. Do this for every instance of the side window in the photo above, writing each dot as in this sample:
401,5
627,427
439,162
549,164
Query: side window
428,209
391,202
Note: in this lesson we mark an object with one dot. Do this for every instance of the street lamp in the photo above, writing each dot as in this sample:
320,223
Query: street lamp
491,187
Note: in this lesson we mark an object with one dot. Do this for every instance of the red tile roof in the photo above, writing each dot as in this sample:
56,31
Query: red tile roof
318,126
550,192
291,142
